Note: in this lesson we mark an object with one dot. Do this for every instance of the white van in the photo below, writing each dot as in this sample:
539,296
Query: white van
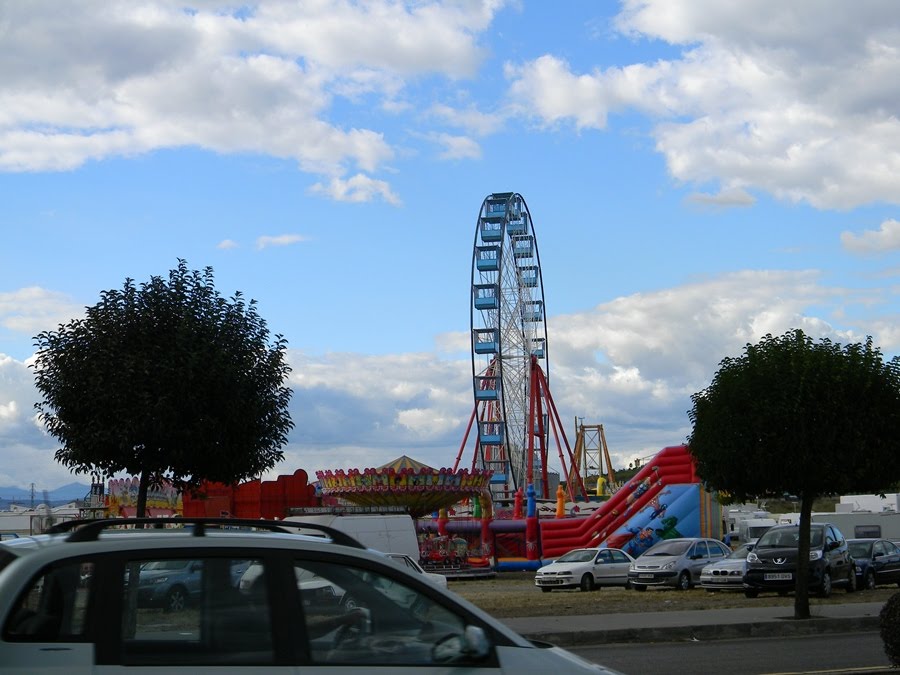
385,532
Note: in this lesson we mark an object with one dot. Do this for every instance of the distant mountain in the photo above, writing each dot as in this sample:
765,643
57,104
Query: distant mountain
66,493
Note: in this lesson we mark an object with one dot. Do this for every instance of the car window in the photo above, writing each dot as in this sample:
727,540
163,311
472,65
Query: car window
53,608
879,548
700,550
604,556
579,555
375,619
717,551
619,557
193,612
668,548
861,549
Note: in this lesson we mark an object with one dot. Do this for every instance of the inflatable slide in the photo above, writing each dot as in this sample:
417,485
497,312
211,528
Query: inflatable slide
662,501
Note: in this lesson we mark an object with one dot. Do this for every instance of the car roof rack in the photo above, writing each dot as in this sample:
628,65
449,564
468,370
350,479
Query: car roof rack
90,529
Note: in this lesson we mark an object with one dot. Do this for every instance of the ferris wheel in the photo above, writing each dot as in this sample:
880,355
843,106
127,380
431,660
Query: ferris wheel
509,335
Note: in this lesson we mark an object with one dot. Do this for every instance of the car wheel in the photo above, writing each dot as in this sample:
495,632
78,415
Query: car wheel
639,587
545,589
825,588
851,581
175,600
684,581
349,602
750,593
587,583
869,582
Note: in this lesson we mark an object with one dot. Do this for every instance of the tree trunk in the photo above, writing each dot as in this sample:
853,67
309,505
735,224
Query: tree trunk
801,591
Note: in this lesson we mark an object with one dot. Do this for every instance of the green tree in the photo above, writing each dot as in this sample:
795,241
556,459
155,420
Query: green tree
168,381
802,418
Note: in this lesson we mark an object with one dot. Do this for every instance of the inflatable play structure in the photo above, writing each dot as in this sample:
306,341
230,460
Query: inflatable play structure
663,500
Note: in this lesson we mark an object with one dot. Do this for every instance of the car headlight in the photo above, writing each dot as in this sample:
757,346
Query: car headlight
669,565
752,558
815,555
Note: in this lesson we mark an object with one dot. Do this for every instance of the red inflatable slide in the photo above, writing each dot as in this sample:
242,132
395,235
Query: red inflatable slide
671,466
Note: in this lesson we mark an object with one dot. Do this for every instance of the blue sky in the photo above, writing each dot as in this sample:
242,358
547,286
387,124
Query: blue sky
699,173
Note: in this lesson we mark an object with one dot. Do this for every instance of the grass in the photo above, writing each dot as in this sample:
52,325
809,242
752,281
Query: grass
513,594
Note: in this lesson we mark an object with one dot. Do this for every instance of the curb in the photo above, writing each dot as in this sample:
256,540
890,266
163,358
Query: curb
702,633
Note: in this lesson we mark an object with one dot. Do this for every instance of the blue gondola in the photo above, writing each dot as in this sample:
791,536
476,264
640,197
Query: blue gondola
523,247
486,296
533,311
487,387
486,340
487,258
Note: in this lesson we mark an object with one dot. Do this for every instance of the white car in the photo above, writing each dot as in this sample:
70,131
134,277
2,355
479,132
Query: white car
585,568
405,561
68,603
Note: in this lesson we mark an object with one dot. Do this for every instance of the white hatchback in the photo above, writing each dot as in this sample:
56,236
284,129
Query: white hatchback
71,601
585,568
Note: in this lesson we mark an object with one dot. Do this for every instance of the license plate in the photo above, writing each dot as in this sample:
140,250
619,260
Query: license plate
645,576
778,576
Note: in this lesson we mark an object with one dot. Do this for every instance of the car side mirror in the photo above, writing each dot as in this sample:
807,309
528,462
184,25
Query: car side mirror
833,545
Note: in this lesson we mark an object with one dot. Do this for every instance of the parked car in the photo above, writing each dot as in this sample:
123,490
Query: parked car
169,584
66,606
675,562
585,568
772,564
877,562
727,574
406,561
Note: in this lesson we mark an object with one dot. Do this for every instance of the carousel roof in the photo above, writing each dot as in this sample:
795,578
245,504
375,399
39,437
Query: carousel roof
405,462
404,482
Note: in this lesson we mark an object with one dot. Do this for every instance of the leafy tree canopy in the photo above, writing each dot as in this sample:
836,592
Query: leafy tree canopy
797,417
166,380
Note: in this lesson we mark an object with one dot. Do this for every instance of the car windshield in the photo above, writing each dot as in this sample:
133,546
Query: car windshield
789,537
860,549
669,548
740,553
581,555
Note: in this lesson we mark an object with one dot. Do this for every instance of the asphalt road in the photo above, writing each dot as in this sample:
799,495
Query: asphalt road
832,654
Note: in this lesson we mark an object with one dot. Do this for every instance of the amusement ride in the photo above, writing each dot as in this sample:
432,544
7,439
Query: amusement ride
513,409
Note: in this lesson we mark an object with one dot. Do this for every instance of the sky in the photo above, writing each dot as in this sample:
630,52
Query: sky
699,173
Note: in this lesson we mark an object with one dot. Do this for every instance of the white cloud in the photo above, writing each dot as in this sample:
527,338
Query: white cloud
267,241
34,309
470,119
226,244
886,238
734,197
457,147
94,80
796,98
358,188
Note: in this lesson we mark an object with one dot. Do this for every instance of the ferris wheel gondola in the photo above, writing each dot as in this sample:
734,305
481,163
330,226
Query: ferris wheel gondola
509,334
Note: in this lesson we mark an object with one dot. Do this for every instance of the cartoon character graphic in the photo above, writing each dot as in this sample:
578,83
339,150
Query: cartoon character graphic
668,530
